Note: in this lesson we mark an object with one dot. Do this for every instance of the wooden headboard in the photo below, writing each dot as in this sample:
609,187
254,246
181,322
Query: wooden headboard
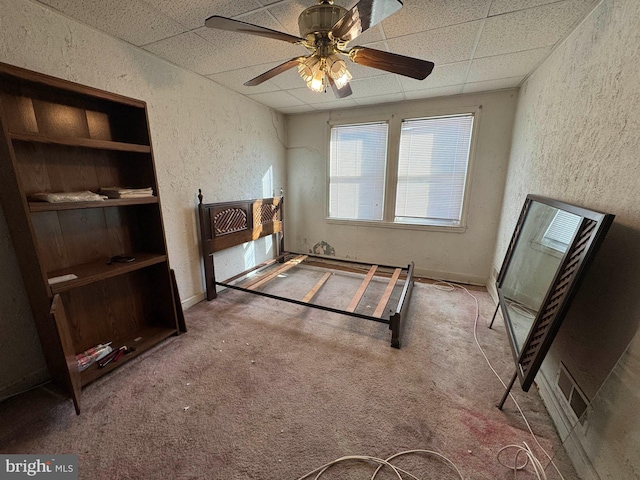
227,224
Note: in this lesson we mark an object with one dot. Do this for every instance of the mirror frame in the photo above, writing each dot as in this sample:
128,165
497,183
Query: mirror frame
590,233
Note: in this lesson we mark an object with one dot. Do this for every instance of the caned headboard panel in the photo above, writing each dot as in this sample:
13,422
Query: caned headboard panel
225,225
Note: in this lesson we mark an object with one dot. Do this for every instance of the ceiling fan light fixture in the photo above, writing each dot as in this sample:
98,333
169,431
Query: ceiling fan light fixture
343,79
319,18
336,68
309,67
317,83
325,31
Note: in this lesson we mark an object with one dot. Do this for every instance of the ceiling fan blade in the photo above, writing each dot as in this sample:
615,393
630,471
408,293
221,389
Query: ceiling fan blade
340,92
391,62
283,67
364,15
223,23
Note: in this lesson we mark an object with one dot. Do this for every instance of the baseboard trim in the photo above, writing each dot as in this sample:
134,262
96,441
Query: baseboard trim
455,277
568,433
191,301
26,383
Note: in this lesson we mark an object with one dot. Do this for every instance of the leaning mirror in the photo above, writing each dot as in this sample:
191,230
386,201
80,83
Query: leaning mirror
551,247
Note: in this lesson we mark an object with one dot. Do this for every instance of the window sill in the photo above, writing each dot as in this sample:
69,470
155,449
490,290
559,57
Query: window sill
399,226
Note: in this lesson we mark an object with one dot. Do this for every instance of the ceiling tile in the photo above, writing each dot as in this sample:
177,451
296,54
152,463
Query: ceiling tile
434,92
442,75
527,29
336,104
187,50
499,7
193,13
234,50
444,45
377,99
418,16
269,2
234,79
381,85
492,85
296,109
505,66
131,20
276,99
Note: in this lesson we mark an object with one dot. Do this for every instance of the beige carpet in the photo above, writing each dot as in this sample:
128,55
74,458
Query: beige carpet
259,389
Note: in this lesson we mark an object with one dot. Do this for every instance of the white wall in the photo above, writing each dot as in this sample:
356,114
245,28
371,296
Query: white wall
577,139
203,135
456,256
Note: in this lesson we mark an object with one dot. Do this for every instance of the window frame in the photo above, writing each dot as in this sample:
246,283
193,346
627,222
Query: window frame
394,121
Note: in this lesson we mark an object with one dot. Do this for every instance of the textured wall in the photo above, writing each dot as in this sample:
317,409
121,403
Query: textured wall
577,138
203,136
456,256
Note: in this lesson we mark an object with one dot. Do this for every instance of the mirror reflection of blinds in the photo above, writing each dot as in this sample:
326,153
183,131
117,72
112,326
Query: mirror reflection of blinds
561,230
432,169
358,160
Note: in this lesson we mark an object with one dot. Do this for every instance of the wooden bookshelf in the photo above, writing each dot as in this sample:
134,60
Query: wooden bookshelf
59,137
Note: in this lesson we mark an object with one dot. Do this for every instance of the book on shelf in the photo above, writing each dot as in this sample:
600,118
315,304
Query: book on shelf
120,192
63,197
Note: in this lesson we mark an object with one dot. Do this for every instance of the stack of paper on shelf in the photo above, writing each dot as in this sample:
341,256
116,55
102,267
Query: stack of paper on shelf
61,197
120,192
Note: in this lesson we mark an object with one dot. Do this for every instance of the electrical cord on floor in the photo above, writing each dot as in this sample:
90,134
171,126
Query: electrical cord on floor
525,450
318,472
520,450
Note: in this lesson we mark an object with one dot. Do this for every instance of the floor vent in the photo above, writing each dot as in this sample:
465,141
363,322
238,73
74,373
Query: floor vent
575,402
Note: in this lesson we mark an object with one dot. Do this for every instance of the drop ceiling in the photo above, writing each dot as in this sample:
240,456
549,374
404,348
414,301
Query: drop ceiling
477,45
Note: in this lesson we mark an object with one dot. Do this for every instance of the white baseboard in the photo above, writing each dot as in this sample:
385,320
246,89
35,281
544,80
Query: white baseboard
568,434
455,277
191,301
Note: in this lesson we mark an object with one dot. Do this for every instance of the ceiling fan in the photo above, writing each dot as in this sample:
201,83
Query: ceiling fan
325,30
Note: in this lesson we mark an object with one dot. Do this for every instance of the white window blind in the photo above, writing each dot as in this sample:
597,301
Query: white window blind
432,169
358,157
561,230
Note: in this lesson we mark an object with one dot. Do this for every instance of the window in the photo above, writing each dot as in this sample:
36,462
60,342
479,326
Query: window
421,181
560,231
358,161
432,169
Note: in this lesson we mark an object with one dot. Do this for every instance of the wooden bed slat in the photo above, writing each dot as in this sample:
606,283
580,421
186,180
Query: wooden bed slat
363,286
387,293
257,267
258,282
316,287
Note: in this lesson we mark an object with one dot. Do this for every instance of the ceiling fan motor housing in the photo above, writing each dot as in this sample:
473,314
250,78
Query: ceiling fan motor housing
319,19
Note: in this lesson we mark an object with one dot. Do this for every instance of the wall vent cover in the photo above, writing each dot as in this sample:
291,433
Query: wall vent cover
574,401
